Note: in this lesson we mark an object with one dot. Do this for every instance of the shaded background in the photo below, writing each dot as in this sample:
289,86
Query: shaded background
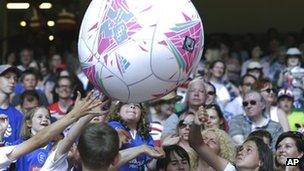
219,16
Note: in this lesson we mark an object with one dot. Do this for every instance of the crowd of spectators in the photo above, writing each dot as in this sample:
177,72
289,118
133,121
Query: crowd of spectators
241,110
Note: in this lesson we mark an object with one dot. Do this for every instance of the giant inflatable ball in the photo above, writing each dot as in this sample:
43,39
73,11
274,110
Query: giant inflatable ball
139,50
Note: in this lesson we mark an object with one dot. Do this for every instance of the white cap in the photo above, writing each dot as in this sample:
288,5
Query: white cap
293,51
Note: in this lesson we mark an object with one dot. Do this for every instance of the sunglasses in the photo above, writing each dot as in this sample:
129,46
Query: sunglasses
251,102
270,90
183,124
211,93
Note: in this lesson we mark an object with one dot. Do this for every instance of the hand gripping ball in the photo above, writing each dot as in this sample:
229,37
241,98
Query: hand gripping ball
138,50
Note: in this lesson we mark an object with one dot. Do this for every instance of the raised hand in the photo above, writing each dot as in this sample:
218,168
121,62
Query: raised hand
84,106
201,116
170,140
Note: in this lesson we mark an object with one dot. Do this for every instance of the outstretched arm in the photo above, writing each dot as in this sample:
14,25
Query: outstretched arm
197,143
65,144
130,153
81,108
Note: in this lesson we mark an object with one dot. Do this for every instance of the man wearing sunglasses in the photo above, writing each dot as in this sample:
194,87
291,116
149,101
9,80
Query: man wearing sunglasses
235,107
253,119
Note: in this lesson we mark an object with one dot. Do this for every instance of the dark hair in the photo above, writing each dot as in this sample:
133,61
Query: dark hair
298,138
261,83
265,154
98,146
163,163
64,77
29,95
247,75
217,61
260,134
220,114
142,125
30,71
211,85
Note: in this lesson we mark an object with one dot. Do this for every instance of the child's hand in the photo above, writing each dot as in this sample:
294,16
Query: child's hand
84,106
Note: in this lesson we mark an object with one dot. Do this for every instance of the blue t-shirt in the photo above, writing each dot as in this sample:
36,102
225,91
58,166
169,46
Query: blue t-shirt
12,133
140,161
34,160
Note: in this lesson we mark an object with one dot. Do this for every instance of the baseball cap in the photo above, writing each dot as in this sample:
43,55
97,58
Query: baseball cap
7,67
293,51
285,93
254,65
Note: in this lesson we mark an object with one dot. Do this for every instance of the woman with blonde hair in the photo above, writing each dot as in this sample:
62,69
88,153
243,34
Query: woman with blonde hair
220,143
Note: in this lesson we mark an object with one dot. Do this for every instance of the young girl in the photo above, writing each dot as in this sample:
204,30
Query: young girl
35,120
129,121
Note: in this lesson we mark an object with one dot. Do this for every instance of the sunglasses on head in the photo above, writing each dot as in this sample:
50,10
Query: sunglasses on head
183,124
270,90
251,102
211,93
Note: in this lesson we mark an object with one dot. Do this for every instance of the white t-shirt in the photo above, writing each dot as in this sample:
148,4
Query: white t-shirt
61,164
230,167
4,161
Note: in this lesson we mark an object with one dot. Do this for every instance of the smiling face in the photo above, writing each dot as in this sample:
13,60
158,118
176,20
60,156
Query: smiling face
218,69
248,156
130,112
40,120
287,149
64,89
268,93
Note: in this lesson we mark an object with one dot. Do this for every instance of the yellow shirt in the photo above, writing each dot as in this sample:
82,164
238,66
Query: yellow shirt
296,117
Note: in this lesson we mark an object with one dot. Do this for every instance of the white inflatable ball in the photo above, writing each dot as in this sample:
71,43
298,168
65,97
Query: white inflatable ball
138,50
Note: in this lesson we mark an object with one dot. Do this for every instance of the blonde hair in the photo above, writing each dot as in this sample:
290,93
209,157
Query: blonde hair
227,149
28,116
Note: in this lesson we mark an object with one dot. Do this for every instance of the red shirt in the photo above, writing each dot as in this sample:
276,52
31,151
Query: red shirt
56,111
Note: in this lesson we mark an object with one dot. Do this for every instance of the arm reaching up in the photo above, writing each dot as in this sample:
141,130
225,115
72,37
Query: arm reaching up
82,108
65,144
197,143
